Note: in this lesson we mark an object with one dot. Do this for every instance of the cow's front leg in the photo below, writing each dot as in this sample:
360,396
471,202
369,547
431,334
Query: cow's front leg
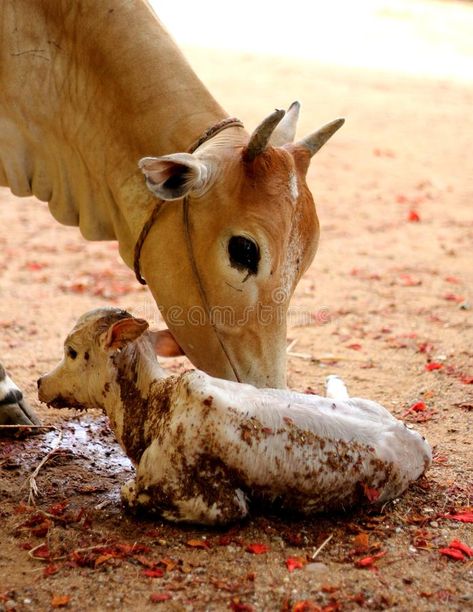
14,409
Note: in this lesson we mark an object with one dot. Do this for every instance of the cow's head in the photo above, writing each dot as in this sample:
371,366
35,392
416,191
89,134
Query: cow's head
227,274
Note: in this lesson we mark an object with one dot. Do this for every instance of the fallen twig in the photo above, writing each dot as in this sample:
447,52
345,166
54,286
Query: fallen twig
322,546
12,430
62,557
31,480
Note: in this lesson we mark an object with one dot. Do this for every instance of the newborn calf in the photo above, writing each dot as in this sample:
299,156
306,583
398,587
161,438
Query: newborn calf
204,447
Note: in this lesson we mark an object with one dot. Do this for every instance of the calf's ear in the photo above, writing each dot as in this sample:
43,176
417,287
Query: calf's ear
123,331
165,344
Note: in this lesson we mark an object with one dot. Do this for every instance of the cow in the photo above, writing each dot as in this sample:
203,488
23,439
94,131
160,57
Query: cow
219,222
14,409
206,448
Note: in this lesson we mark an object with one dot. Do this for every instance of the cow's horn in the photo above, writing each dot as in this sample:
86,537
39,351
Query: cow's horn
260,137
286,128
316,140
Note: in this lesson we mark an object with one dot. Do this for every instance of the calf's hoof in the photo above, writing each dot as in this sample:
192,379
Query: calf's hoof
128,494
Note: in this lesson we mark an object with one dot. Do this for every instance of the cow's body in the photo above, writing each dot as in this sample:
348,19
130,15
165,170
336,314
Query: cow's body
205,448
87,89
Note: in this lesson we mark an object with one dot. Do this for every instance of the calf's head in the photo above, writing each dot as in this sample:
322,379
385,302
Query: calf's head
89,361
237,229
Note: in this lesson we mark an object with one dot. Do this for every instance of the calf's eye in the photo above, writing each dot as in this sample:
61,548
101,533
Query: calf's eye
244,253
72,353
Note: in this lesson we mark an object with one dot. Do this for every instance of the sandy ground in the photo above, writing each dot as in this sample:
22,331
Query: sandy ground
386,305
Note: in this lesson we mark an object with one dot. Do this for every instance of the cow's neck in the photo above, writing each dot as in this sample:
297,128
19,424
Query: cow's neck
101,87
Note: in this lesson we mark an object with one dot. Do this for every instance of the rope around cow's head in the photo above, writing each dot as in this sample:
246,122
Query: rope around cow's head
209,133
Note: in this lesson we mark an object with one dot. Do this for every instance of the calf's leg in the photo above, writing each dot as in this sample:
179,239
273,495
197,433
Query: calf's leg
184,490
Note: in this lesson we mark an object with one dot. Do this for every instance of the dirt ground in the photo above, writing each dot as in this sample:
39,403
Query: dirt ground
387,305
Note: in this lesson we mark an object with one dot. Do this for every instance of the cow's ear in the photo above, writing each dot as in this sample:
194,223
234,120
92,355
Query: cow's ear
172,177
165,345
122,332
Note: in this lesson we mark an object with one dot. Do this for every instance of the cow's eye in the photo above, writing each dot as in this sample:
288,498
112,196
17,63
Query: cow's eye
244,253
72,353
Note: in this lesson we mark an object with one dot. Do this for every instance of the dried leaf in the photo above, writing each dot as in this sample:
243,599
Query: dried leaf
50,569
42,552
238,606
198,544
409,281
159,597
361,542
60,601
305,606
425,347
34,266
58,509
169,564
371,494
355,346
257,549
144,561
104,558
453,297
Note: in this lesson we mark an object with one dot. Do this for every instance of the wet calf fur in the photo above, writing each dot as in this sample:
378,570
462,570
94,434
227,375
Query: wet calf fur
205,448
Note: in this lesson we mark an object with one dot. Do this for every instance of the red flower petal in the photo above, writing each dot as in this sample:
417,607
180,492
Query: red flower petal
293,563
153,573
355,346
453,553
371,493
369,561
433,365
198,544
257,549
158,597
453,297
413,217
458,545
463,517
409,281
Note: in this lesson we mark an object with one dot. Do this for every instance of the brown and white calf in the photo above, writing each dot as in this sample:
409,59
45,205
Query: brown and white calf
204,447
